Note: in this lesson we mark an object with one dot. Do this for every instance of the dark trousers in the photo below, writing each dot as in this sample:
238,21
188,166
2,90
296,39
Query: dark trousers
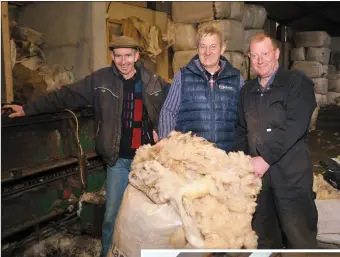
286,215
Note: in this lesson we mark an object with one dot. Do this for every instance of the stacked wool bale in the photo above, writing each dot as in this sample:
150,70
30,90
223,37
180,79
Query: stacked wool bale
188,17
333,94
253,21
228,19
311,55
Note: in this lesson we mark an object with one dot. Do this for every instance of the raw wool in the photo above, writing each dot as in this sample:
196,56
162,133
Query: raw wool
63,244
298,54
321,100
192,12
319,54
333,73
333,98
323,190
320,86
313,119
312,69
248,35
55,77
232,32
229,10
142,224
199,180
182,58
312,39
185,37
334,85
254,16
237,60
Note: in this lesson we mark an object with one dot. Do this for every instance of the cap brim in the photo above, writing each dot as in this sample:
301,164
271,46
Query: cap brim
126,46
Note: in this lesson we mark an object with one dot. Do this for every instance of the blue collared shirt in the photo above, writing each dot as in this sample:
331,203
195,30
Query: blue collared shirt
269,81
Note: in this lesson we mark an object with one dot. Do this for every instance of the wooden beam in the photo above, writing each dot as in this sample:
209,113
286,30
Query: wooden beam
7,52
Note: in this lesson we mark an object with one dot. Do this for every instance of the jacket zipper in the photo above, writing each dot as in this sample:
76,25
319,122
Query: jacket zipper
211,85
98,127
156,92
104,88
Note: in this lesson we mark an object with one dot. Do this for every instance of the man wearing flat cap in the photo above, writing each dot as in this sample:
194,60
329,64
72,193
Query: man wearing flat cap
127,100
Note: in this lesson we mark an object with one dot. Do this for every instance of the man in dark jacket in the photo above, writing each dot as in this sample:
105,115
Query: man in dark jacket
274,115
204,94
127,100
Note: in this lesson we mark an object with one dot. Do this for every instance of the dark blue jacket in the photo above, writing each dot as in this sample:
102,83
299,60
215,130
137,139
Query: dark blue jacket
209,112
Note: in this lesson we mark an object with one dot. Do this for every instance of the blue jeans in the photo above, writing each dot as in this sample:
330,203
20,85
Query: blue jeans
116,182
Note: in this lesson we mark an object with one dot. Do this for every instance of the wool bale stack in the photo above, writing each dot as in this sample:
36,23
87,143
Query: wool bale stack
253,21
186,16
228,17
311,55
333,94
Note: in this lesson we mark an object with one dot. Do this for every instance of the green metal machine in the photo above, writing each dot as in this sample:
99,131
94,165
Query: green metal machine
44,171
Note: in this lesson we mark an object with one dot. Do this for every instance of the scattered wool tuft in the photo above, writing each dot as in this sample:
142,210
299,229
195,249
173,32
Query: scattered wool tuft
323,190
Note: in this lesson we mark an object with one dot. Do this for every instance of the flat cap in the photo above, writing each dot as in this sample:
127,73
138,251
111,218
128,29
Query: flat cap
123,42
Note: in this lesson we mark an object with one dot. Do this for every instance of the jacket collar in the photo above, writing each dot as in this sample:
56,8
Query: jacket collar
278,81
145,75
226,70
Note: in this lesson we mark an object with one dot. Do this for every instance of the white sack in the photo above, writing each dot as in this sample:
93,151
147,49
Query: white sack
142,224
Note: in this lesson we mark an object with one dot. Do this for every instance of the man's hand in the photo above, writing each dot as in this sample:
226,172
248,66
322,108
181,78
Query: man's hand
259,166
18,111
155,136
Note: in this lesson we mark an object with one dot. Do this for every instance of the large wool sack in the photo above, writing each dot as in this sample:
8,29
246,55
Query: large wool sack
254,16
334,85
182,58
248,35
312,39
232,32
319,54
185,37
333,97
229,10
310,68
320,86
192,12
333,73
142,224
321,100
298,54
237,60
